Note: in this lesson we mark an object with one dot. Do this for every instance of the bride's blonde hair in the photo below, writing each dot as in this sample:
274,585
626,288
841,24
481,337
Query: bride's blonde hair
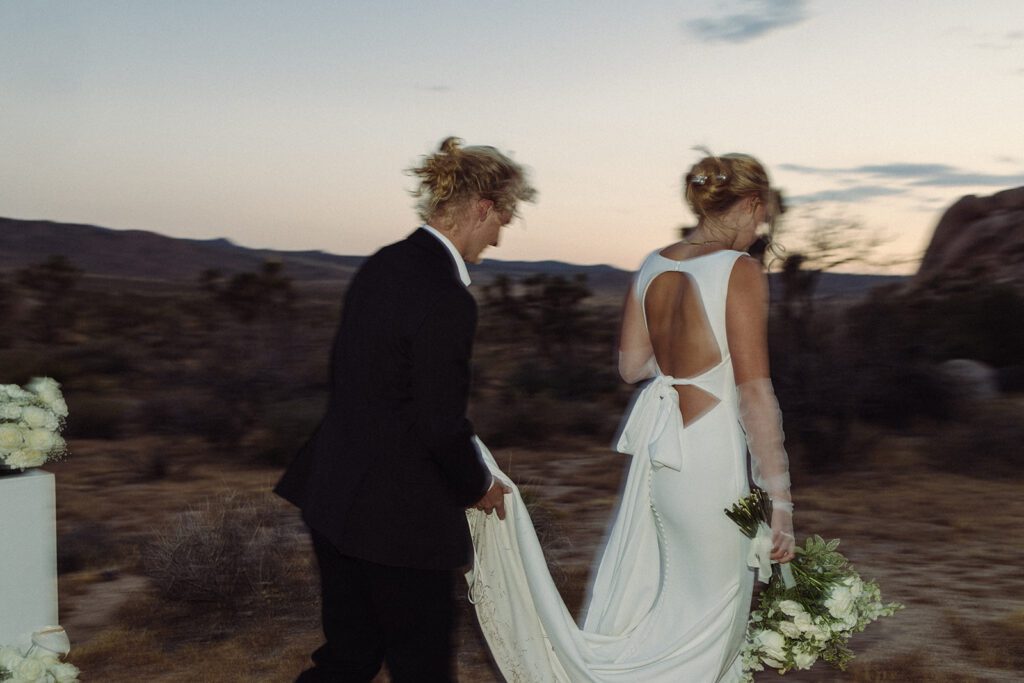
716,183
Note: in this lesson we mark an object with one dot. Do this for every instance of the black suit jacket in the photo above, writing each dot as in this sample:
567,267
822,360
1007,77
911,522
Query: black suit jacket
388,473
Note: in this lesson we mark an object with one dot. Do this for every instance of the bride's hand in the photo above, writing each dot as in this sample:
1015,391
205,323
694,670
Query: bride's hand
783,539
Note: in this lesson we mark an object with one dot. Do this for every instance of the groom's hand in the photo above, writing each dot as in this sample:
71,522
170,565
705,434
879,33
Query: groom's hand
494,500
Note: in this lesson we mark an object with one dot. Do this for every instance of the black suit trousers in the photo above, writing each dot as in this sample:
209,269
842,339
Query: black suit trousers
374,613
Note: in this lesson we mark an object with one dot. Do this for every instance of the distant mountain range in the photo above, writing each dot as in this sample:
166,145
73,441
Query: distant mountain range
149,256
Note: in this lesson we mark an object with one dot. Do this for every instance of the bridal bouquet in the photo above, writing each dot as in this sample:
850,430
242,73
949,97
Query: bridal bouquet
30,423
795,625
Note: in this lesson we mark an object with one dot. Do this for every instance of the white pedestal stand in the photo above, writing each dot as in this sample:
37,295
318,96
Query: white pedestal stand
28,555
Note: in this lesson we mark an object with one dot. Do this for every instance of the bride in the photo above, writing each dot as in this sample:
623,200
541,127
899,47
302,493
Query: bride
671,592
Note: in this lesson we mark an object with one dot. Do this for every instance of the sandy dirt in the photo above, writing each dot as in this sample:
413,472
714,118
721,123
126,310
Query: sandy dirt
949,547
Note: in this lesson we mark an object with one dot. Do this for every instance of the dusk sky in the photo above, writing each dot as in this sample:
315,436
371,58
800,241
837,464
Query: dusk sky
288,124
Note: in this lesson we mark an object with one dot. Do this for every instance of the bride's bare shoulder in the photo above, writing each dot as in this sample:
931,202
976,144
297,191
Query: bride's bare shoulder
677,251
748,276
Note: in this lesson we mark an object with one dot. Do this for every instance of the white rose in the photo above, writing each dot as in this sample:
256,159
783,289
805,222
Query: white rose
16,393
11,437
804,659
31,670
59,407
10,411
40,440
10,658
819,631
772,644
839,602
789,629
64,672
791,608
35,417
26,457
45,388
803,621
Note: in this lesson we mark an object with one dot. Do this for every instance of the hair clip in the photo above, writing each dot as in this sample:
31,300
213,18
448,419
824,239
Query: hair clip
700,178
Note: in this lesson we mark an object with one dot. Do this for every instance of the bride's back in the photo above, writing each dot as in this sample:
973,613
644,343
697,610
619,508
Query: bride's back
680,332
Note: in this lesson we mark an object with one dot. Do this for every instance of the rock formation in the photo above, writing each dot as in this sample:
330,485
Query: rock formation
978,237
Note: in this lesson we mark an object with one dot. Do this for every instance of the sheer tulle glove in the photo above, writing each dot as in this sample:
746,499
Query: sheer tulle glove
761,420
635,366
783,539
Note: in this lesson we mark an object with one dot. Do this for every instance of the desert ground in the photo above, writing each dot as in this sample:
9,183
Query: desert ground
948,546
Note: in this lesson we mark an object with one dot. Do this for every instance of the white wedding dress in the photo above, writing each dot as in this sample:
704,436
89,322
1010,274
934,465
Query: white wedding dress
671,594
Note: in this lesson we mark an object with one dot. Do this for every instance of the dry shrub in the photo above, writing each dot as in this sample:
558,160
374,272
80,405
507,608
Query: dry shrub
550,534
227,551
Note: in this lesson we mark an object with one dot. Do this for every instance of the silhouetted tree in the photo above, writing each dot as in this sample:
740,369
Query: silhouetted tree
51,284
267,292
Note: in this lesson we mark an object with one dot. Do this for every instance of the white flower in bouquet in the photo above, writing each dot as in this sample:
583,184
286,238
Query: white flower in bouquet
839,602
10,411
64,672
45,388
795,624
791,608
26,457
789,629
10,658
30,423
48,390
16,393
804,658
11,437
40,439
36,418
804,622
773,646
31,670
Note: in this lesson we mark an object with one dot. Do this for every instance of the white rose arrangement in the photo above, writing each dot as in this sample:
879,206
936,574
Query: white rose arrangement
813,618
41,664
31,419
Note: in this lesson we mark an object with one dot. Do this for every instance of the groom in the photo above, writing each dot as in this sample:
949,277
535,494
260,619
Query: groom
384,482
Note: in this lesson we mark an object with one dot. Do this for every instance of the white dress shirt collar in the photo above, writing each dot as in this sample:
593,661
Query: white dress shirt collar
460,263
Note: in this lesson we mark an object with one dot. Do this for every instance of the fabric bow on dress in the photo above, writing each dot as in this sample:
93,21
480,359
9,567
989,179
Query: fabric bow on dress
656,410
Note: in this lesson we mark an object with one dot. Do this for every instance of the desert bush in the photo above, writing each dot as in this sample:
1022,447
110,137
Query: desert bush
959,320
550,533
226,551
985,441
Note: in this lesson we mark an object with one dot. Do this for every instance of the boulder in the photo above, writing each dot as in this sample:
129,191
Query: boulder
970,380
978,238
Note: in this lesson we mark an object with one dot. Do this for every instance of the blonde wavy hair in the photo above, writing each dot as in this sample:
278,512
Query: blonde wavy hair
716,183
454,175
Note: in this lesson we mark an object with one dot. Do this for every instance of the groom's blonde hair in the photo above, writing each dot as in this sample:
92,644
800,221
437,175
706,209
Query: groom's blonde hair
454,175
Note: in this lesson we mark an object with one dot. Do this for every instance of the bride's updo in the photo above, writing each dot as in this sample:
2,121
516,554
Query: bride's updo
716,183
454,175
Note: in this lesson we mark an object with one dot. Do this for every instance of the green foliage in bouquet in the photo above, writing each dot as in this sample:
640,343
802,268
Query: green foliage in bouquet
794,627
